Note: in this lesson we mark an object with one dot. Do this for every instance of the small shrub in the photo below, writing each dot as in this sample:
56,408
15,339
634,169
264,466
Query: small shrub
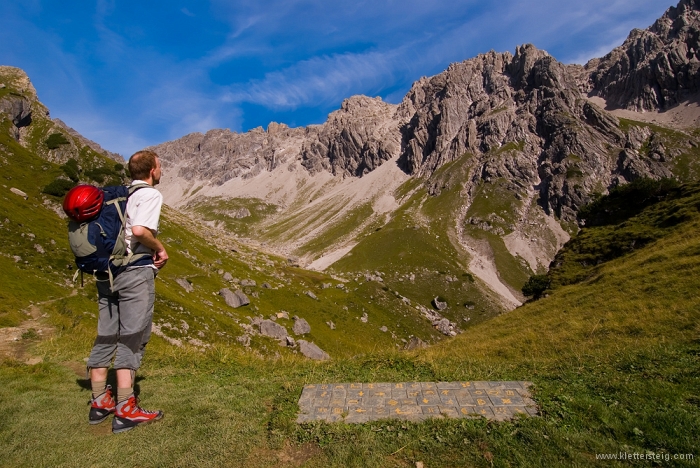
625,201
59,187
469,276
55,140
71,169
30,334
535,286
99,174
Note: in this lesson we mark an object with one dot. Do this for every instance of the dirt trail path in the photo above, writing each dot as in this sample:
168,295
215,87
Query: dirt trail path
15,341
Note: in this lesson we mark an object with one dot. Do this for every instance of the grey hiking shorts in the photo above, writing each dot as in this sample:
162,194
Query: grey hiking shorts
126,316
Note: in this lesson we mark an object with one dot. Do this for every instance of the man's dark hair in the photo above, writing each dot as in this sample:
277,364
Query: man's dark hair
141,163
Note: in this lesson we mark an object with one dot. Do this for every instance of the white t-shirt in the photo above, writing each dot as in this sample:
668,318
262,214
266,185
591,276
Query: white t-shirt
142,209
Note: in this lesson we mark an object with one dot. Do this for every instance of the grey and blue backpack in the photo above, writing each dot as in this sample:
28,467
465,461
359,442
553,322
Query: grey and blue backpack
98,244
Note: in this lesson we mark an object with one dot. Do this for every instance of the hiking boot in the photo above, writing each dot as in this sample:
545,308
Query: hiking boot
101,406
129,414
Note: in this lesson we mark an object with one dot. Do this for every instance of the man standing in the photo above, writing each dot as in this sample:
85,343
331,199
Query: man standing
126,308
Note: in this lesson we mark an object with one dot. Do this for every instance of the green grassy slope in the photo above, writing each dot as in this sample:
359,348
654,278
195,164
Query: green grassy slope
37,266
417,249
614,359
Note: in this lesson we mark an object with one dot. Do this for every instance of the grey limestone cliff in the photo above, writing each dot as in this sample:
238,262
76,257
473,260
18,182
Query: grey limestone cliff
655,68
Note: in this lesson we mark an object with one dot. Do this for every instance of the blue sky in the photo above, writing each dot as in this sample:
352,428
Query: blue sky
130,74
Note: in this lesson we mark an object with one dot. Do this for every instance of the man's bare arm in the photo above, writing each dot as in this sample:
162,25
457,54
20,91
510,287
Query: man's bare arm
146,237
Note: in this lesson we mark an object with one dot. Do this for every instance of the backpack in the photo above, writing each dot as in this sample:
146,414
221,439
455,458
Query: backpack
98,244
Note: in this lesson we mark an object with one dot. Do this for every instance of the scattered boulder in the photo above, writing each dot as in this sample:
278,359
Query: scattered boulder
370,277
242,213
244,340
284,314
311,351
39,249
17,191
444,326
331,325
301,327
234,299
290,342
364,318
311,295
384,329
266,286
228,276
293,262
186,285
273,330
415,343
248,282
439,305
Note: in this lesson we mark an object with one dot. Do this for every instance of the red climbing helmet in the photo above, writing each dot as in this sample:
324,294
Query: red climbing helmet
83,202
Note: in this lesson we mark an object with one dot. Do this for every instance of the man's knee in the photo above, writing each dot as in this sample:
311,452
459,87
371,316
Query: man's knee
132,341
105,340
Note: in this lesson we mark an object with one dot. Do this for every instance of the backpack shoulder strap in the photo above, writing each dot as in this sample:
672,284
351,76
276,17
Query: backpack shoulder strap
133,188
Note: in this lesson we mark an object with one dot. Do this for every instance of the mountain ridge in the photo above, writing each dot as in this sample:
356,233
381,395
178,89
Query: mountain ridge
527,140
543,137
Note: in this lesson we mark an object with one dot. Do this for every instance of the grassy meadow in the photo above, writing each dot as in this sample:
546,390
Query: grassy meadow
615,361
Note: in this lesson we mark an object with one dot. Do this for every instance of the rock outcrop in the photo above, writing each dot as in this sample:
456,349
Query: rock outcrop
273,330
301,327
312,351
234,299
355,140
186,285
655,68
20,104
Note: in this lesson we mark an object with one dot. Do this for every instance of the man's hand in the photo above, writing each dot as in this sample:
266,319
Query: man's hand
160,258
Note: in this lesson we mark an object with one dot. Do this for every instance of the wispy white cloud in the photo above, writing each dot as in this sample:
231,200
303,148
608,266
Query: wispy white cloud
187,12
318,80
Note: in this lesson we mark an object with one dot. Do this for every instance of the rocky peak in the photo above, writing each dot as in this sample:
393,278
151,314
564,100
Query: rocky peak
355,139
655,68
20,102
17,80
31,123
524,119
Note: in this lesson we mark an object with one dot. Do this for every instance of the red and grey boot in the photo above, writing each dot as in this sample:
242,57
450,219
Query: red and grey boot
101,406
129,414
